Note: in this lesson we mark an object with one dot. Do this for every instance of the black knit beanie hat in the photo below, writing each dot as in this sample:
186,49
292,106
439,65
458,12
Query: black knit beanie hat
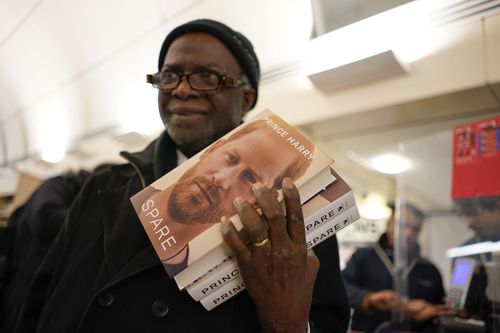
239,45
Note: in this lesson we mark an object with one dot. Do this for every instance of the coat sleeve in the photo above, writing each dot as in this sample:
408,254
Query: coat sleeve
352,275
330,307
45,277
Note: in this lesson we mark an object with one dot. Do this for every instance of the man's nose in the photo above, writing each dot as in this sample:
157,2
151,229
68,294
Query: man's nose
183,89
226,177
229,180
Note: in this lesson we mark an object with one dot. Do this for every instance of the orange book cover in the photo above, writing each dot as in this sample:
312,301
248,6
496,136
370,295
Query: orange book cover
181,211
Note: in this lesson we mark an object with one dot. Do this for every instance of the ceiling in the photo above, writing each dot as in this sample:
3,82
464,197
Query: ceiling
76,69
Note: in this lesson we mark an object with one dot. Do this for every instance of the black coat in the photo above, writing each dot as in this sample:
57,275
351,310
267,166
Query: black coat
102,274
365,272
32,228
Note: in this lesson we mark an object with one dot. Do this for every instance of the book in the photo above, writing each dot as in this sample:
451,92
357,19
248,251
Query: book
218,254
320,209
216,278
224,293
330,228
181,211
235,284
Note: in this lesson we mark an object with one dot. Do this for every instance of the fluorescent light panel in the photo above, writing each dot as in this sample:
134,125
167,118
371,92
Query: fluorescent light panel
375,67
473,249
374,48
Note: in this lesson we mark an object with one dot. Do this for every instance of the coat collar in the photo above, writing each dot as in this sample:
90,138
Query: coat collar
382,243
160,155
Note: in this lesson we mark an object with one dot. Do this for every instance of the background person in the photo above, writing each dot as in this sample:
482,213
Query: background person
369,273
102,274
482,215
32,228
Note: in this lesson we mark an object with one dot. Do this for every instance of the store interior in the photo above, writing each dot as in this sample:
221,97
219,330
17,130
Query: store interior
379,85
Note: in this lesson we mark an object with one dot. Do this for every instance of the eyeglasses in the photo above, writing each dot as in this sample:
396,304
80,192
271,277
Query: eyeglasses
201,81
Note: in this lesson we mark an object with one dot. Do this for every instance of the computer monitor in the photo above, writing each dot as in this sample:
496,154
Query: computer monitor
461,277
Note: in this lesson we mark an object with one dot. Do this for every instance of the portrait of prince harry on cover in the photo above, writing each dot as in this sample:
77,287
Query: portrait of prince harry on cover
173,212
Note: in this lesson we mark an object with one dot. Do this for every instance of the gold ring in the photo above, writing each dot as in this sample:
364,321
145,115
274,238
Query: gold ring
261,243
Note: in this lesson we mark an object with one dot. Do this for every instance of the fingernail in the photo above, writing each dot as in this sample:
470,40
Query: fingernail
287,183
257,187
238,201
224,225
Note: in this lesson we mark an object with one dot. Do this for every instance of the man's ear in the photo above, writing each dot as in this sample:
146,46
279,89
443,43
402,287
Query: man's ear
249,96
212,147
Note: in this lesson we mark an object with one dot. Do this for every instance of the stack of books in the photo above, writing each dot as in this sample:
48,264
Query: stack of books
181,211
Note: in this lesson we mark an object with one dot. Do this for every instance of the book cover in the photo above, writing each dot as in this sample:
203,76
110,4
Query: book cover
235,285
320,209
196,270
181,211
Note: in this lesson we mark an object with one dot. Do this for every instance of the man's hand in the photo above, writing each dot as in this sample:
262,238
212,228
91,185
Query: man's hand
383,300
278,271
421,310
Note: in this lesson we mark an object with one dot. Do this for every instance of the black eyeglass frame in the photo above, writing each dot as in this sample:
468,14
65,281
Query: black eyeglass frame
223,80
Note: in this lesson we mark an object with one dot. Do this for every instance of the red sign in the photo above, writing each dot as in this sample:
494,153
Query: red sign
476,159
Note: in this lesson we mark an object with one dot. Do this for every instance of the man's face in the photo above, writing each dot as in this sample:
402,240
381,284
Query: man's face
482,221
413,225
194,119
206,191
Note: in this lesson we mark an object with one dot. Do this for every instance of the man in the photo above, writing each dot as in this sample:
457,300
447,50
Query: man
369,274
102,275
205,192
482,215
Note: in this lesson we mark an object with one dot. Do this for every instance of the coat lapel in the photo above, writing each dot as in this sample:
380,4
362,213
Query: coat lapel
127,249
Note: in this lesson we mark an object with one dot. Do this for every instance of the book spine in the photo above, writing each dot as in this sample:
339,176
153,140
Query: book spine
331,228
223,294
213,281
200,268
330,211
226,290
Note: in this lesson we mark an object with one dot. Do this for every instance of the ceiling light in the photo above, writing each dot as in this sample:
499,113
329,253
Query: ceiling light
374,207
391,163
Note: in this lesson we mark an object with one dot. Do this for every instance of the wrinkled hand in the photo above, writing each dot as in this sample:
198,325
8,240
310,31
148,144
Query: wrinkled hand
421,310
383,300
279,274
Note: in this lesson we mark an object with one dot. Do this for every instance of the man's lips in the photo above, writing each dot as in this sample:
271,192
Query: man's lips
186,111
